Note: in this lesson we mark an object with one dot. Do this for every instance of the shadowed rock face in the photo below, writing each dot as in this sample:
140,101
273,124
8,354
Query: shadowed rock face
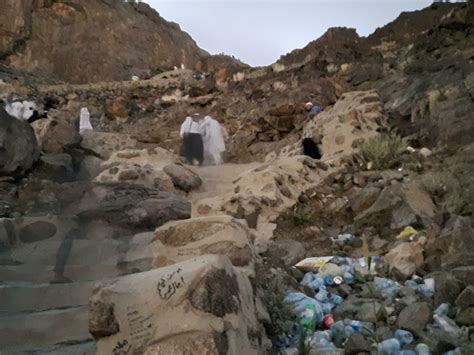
211,297
18,146
49,37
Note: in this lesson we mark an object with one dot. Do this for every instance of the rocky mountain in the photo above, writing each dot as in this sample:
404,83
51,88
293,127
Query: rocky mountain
106,236
91,41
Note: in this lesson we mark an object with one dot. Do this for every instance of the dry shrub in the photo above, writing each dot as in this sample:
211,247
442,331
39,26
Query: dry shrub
381,152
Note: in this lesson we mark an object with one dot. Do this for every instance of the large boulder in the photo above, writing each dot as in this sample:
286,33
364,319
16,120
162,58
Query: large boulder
18,145
454,243
262,193
405,258
223,235
103,144
339,129
56,137
131,206
157,157
399,205
146,176
415,317
203,305
182,177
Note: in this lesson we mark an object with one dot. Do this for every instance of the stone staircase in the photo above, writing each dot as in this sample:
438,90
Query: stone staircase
38,316
45,318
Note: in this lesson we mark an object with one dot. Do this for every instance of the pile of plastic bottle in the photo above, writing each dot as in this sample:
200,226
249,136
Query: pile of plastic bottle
318,328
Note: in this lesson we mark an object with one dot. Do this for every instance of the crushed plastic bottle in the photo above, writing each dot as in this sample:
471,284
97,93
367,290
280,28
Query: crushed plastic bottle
356,325
448,325
313,281
337,331
308,310
342,239
335,299
389,347
322,340
422,349
442,310
386,287
404,337
348,278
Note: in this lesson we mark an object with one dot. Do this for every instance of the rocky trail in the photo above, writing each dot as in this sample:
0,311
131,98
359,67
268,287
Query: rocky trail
109,244
218,180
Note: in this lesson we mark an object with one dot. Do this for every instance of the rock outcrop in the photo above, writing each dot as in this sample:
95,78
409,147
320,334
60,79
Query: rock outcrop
18,145
123,39
206,304
187,259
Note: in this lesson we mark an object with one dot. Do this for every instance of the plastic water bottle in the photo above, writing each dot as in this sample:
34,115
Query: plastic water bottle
321,340
348,278
389,347
337,331
329,280
426,290
335,299
408,352
422,349
387,288
348,331
356,325
322,296
347,268
307,309
313,281
448,325
442,310
404,337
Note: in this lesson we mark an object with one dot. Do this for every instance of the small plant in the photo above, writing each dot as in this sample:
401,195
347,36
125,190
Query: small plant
381,152
281,314
300,215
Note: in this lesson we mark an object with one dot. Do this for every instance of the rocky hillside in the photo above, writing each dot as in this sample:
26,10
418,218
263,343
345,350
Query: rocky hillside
90,41
106,236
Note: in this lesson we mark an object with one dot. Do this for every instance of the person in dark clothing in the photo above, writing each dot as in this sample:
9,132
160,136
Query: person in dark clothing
62,256
37,116
311,149
192,148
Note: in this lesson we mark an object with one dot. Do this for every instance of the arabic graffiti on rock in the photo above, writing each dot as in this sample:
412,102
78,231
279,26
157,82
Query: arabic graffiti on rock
140,324
122,348
169,284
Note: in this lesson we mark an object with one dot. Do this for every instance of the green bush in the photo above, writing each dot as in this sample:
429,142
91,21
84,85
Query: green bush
300,215
381,152
281,314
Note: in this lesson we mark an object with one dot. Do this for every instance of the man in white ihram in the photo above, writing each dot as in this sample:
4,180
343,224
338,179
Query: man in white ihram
214,135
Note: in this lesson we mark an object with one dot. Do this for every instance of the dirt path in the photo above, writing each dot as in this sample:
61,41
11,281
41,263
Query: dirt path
217,180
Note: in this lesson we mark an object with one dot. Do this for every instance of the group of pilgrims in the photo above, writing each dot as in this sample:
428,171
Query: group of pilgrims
203,140
203,137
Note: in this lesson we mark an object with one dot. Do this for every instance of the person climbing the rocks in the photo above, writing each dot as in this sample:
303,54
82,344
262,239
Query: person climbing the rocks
26,111
312,109
214,135
191,133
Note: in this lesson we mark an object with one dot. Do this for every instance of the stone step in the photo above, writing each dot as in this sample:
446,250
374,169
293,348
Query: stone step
32,331
41,297
83,348
85,260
